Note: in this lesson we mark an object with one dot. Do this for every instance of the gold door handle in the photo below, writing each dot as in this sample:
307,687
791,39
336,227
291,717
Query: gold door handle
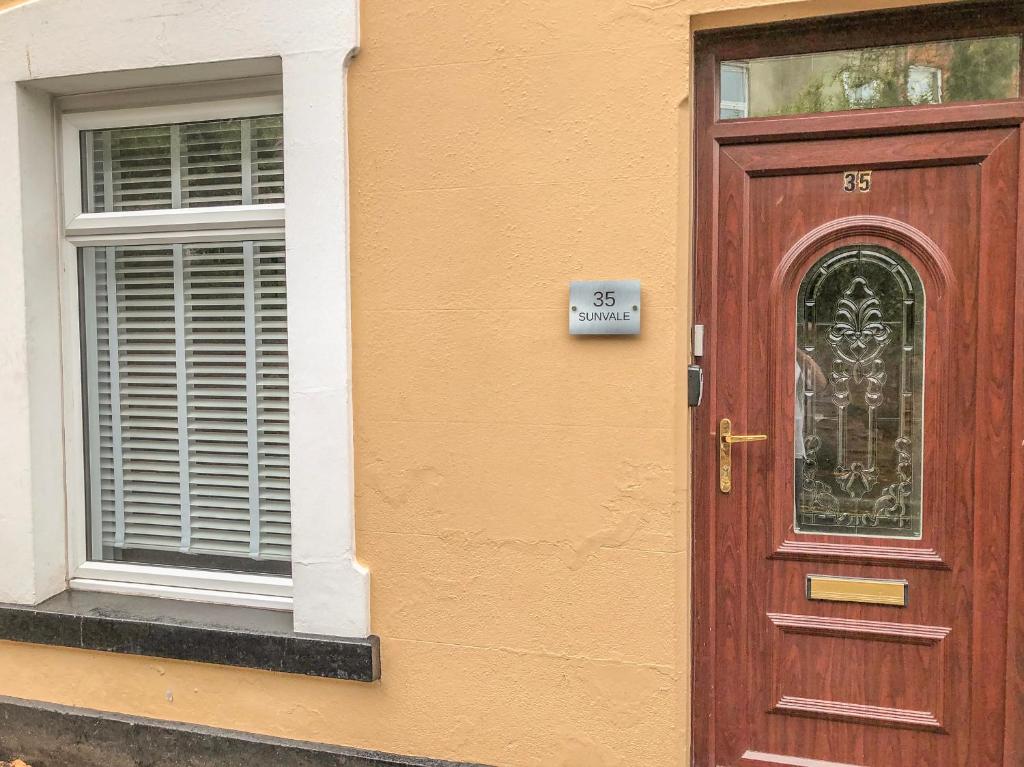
726,439
734,439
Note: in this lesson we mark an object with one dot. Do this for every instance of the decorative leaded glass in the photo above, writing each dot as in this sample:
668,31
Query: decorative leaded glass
859,395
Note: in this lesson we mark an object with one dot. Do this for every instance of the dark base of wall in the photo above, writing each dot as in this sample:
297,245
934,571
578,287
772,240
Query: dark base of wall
48,735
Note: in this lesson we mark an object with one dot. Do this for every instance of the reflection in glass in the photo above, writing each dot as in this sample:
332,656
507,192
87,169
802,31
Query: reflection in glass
898,75
186,165
859,395
735,92
185,350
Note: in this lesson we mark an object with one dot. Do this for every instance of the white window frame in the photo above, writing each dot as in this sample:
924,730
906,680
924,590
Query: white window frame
85,229
861,95
165,226
738,106
932,73
43,69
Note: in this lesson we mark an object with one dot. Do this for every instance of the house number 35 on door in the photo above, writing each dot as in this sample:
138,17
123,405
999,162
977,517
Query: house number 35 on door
857,181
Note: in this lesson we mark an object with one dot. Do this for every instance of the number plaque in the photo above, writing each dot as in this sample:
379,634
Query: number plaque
857,181
604,308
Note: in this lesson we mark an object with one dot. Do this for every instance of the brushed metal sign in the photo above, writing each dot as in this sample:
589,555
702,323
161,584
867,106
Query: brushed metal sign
604,308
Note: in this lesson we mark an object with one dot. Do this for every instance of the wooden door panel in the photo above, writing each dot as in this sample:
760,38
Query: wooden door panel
827,156
761,759
797,682
891,217
818,668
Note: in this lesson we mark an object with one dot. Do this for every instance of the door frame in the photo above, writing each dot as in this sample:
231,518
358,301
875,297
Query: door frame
906,25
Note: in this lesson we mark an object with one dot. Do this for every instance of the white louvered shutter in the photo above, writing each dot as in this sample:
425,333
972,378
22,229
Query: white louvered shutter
272,399
127,169
267,155
187,391
213,163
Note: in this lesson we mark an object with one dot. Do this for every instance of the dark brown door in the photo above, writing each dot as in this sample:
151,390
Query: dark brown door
861,284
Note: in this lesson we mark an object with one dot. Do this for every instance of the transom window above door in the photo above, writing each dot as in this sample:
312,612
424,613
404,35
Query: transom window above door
939,72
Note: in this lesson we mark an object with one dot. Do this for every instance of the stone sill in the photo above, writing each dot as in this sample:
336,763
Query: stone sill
192,631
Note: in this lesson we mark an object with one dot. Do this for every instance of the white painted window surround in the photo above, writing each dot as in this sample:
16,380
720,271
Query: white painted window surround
137,48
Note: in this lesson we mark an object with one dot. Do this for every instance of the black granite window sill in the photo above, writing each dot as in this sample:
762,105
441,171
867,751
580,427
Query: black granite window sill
192,631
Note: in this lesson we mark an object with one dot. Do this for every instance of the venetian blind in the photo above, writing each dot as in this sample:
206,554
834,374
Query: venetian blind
187,165
186,369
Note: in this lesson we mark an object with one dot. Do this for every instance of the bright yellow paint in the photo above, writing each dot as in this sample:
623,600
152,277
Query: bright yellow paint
522,496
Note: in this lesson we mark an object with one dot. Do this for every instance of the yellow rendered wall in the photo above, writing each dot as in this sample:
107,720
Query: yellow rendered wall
522,495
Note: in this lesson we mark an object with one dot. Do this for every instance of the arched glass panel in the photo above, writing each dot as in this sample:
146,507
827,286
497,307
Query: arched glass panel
860,395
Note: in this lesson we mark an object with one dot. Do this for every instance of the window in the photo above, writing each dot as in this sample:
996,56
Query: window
185,345
184,208
860,93
187,404
184,336
924,85
735,94
859,408
940,72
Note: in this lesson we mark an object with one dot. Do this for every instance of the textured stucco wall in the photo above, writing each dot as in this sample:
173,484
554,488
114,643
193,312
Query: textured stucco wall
522,496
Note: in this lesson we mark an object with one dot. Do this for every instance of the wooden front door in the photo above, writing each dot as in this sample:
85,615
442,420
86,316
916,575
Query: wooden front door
858,573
